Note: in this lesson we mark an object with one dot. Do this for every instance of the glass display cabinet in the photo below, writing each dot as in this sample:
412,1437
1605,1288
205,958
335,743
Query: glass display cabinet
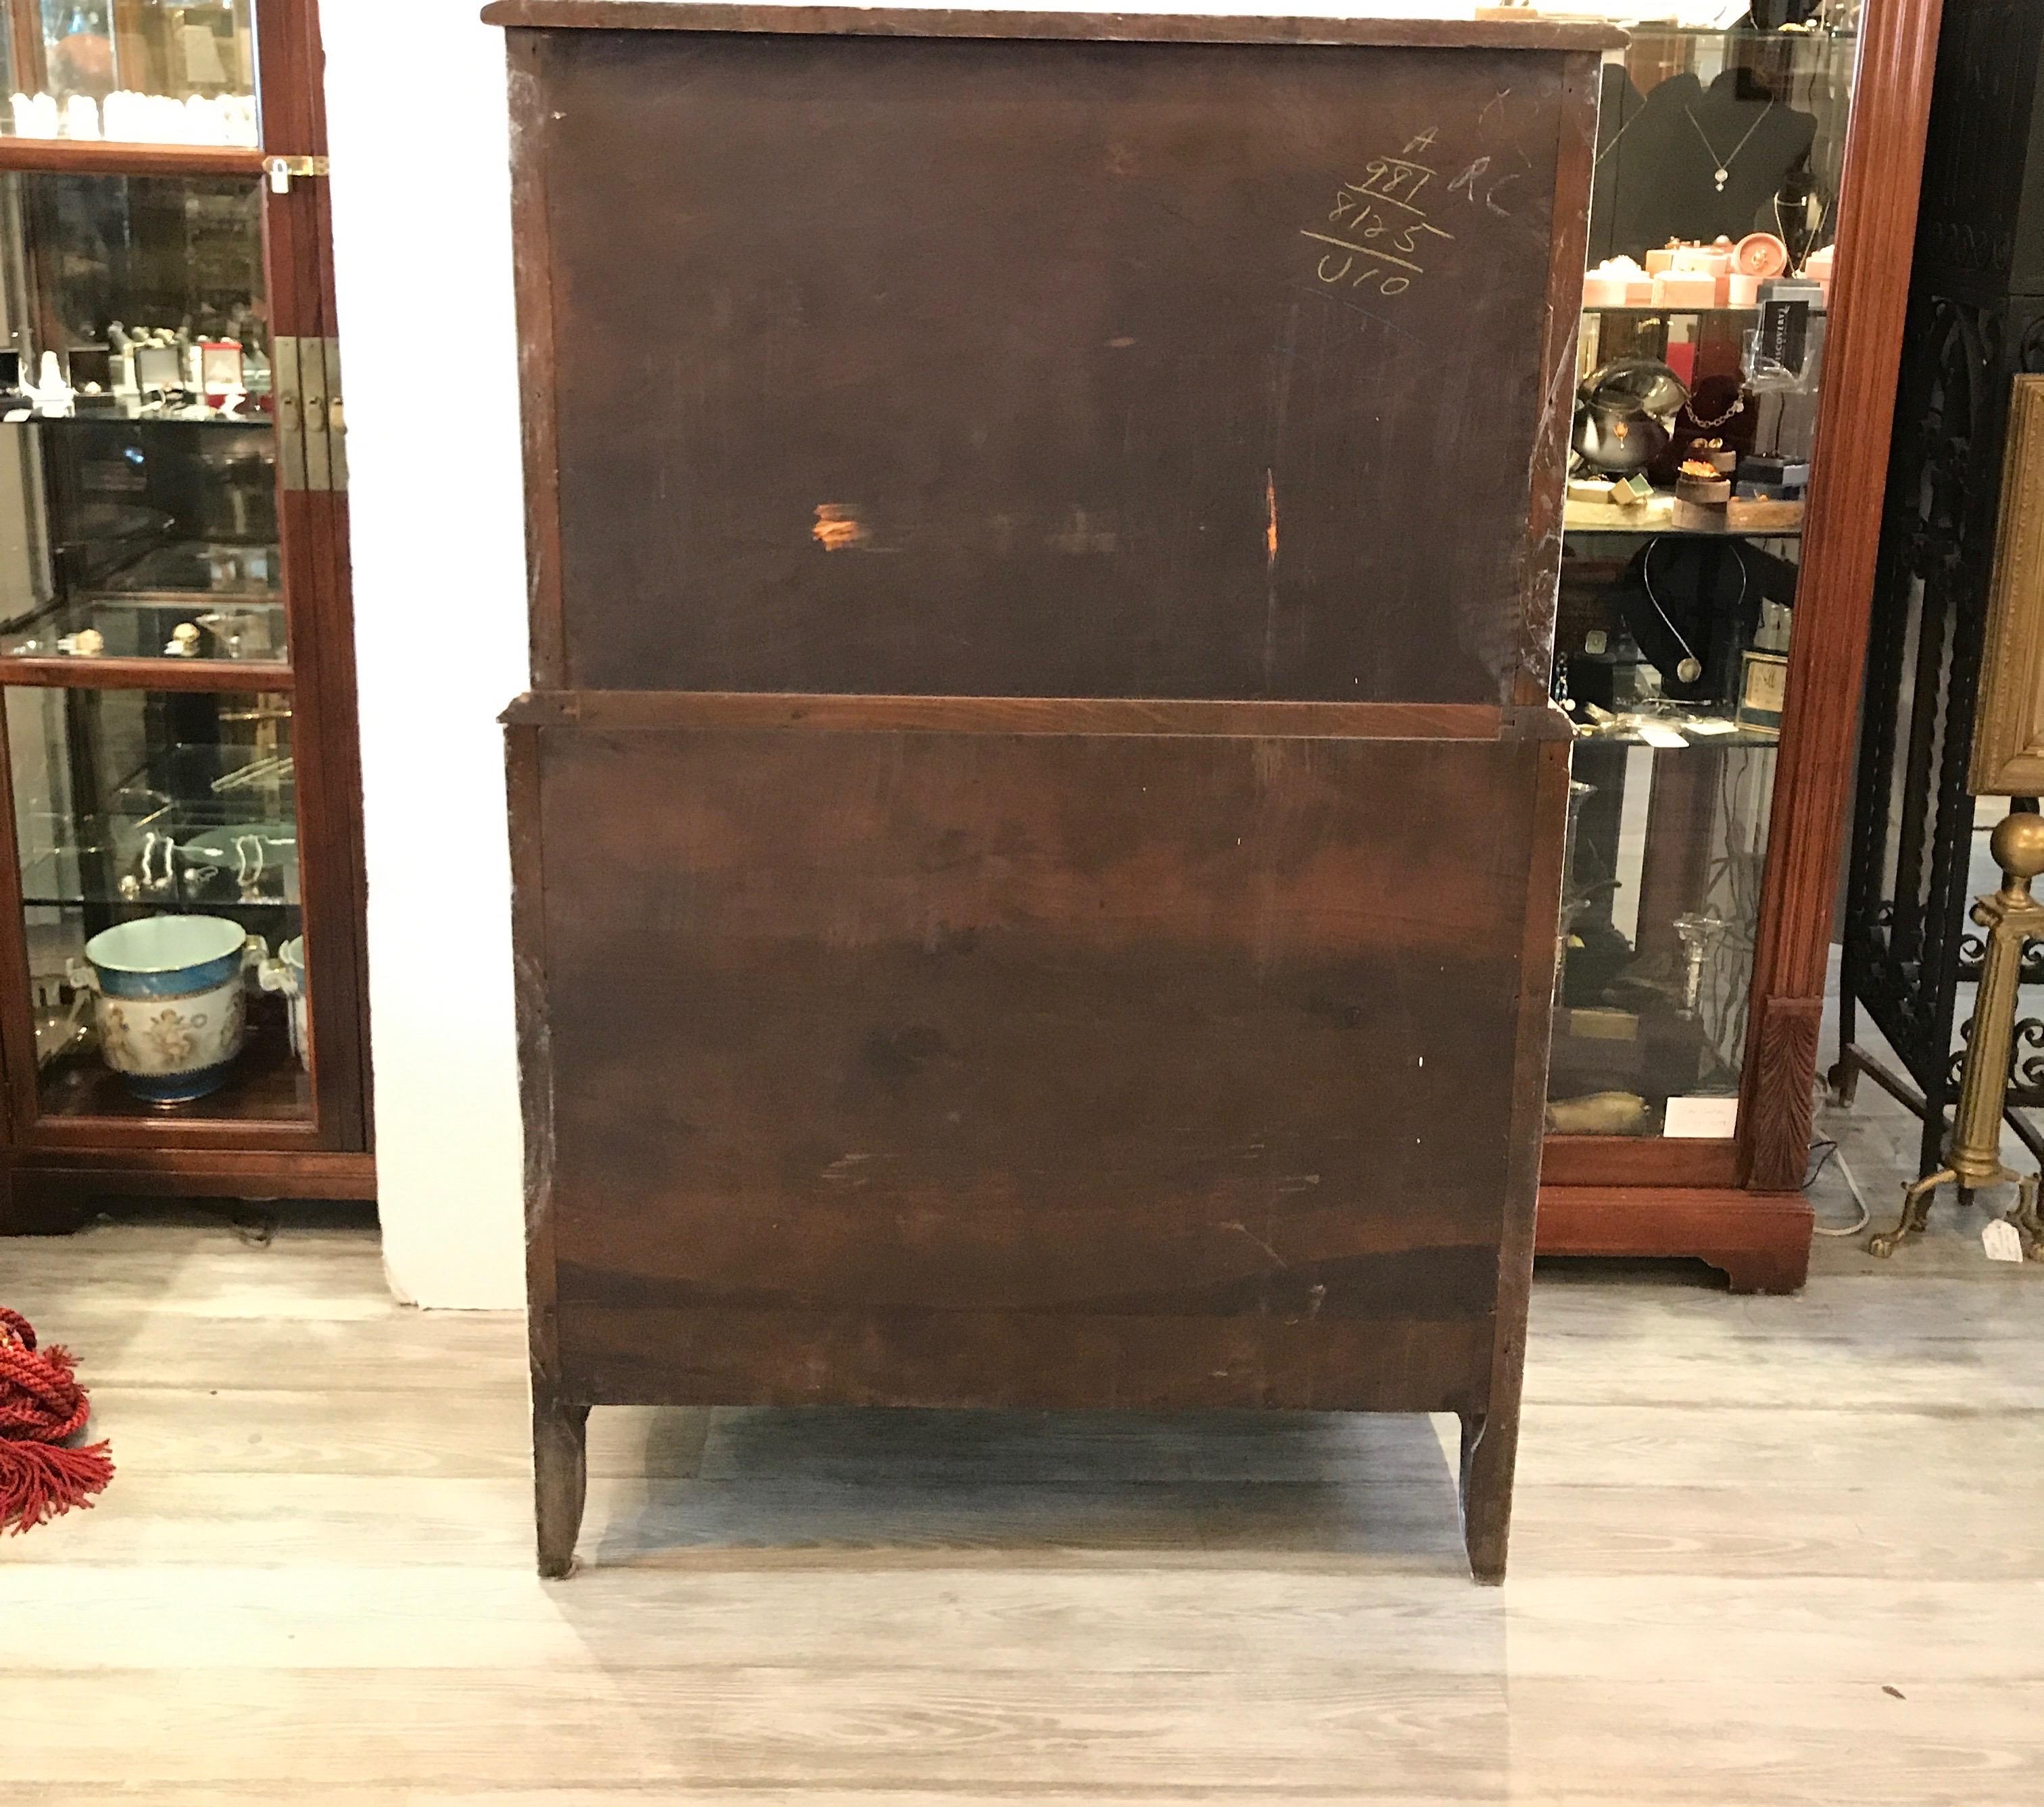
151,72
1754,192
181,991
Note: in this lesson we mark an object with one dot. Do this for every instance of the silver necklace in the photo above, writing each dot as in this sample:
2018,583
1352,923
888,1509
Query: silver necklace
1816,230
1722,174
1620,133
1690,668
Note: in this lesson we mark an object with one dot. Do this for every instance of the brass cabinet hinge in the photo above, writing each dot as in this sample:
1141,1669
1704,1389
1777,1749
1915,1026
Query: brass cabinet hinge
312,444
280,170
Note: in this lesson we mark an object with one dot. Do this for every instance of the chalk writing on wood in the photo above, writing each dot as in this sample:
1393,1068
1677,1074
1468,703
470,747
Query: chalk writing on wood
1381,233
1478,176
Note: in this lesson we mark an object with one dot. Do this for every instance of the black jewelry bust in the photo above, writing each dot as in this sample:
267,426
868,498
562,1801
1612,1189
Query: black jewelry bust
1661,177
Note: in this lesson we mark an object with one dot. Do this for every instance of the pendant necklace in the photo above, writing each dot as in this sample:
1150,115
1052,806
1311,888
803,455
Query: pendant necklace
1620,133
1722,174
1689,668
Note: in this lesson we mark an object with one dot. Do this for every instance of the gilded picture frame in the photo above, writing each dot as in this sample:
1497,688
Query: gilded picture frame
2008,729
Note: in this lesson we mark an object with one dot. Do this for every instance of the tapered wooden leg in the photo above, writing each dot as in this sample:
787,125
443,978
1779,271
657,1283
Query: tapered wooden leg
1489,1449
560,1478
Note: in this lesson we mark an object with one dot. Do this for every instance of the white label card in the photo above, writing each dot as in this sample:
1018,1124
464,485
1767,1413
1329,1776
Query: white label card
1709,1118
2002,1242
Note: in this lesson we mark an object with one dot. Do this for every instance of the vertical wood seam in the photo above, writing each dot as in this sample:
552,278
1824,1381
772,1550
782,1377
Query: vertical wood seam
1540,554
523,753
533,272
1876,231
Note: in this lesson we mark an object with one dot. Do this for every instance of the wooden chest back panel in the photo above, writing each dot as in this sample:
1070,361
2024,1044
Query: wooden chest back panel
1123,1049
1049,369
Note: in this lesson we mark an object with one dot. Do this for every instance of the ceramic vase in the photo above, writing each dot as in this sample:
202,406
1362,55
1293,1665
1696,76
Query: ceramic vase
171,1002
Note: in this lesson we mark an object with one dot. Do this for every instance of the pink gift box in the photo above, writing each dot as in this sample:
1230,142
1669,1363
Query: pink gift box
1686,288
1818,268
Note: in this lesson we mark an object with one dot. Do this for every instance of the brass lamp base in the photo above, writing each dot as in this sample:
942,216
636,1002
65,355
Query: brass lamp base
2011,917
1916,1209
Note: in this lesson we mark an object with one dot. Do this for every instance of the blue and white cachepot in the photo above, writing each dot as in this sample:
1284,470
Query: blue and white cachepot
171,1001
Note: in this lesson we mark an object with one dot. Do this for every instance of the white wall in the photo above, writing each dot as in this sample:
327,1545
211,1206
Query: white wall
422,248
422,245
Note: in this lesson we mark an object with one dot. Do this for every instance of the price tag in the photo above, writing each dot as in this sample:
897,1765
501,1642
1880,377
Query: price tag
1712,1118
2001,1241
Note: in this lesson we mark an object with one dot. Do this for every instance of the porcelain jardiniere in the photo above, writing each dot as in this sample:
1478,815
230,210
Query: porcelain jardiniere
171,1001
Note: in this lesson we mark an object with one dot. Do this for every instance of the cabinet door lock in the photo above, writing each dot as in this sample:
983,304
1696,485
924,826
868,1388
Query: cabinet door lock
280,170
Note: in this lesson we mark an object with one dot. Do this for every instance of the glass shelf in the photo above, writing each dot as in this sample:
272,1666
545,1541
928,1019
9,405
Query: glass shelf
151,542
1652,310
171,822
1654,518
133,805
155,253
1702,134
16,410
1659,913
269,1083
118,510
1716,732
1809,44
149,74
188,602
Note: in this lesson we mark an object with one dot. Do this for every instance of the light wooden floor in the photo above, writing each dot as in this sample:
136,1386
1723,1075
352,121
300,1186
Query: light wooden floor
1767,1550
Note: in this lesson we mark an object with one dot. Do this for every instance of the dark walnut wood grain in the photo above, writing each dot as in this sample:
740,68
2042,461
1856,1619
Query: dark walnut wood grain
1038,839
1013,370
1528,33
1084,1043
1030,714
1034,1069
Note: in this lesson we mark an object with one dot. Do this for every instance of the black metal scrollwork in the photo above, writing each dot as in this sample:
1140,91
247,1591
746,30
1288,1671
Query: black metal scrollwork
1907,949
2026,1059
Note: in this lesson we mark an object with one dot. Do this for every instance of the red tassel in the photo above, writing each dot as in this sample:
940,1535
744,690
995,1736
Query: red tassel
39,1480
41,1407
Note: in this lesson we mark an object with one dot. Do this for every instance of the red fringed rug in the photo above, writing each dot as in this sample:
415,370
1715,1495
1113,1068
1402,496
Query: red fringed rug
41,1409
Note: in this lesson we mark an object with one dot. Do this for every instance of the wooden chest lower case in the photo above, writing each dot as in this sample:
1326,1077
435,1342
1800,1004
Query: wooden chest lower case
1037,831
942,1054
